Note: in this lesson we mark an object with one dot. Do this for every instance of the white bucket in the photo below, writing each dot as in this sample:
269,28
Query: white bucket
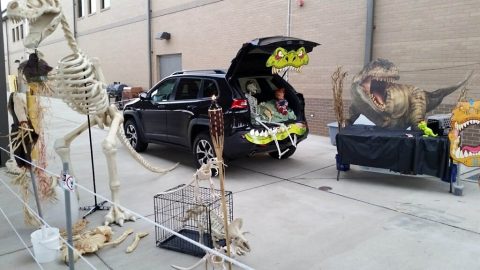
46,247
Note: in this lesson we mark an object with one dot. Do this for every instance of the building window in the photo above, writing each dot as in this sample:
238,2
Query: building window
17,33
21,31
80,5
104,4
13,34
92,6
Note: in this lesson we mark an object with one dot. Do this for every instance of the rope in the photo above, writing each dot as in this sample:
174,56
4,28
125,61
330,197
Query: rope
205,248
19,237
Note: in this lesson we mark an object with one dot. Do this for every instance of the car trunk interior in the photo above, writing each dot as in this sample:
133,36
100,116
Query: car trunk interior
265,93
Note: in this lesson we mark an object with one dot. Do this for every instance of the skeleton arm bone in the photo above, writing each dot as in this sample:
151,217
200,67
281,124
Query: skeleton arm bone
119,240
134,245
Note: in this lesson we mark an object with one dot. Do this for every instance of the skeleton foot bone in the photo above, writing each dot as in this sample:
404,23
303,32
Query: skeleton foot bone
118,215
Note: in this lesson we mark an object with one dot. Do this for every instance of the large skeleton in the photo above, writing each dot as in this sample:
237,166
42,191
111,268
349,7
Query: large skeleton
80,83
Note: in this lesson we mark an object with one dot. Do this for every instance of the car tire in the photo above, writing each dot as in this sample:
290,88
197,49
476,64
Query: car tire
202,149
290,152
133,136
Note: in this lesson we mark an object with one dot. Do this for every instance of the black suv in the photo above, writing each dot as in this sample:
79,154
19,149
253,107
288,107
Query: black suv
175,110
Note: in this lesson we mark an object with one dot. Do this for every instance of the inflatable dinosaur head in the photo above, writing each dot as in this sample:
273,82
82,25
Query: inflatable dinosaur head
282,60
372,83
464,115
43,17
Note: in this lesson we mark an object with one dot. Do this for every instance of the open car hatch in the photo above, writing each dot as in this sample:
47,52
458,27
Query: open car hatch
269,55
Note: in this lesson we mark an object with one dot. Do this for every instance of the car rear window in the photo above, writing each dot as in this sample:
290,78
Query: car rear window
210,88
188,88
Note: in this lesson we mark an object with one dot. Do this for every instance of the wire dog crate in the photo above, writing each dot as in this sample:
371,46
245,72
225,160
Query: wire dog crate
189,215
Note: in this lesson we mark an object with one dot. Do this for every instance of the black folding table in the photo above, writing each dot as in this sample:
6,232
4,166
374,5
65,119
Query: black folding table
403,151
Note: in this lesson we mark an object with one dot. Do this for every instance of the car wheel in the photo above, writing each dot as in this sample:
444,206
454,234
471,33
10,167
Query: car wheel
288,154
202,149
133,136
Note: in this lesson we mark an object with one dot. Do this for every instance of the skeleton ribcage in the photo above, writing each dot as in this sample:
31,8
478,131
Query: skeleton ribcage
77,83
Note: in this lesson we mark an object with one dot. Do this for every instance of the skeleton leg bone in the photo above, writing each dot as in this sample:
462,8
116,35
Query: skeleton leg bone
116,214
62,145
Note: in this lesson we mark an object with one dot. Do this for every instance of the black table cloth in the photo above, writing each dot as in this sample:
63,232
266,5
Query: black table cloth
373,146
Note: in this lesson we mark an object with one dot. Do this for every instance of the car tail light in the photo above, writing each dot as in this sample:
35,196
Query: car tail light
239,104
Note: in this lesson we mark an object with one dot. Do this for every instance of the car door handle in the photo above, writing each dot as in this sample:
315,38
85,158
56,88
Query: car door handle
161,106
191,107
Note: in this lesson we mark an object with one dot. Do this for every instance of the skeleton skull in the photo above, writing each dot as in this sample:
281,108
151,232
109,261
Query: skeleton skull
43,17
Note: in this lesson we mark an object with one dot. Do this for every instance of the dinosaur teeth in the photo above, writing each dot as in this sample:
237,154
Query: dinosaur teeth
465,153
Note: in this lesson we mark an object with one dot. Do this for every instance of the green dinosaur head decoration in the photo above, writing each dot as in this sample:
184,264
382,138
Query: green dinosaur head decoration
283,60
422,125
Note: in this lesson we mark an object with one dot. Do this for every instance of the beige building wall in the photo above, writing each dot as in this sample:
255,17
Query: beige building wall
434,43
118,36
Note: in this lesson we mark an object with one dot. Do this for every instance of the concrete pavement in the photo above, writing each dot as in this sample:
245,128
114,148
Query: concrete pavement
366,220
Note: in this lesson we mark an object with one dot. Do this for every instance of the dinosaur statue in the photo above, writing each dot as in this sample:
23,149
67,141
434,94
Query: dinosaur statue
464,115
80,83
282,60
427,132
388,104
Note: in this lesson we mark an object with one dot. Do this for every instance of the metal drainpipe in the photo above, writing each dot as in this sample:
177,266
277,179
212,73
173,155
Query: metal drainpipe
6,42
369,32
289,26
3,100
149,22
289,17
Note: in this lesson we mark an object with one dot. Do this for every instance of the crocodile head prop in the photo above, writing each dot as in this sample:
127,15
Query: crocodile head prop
464,115
43,17
374,80
282,60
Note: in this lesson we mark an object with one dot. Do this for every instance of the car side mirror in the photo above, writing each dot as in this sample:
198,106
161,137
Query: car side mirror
143,96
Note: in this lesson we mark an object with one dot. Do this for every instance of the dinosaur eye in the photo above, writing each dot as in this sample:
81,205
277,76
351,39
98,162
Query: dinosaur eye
280,54
13,5
300,54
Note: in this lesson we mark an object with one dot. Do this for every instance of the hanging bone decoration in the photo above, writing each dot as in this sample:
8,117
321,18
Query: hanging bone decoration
79,81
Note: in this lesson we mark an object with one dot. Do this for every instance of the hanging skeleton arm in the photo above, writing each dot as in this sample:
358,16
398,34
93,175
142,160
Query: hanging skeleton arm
79,81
